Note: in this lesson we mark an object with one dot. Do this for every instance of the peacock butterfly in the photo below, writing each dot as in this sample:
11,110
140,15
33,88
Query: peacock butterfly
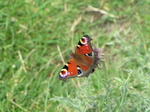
82,62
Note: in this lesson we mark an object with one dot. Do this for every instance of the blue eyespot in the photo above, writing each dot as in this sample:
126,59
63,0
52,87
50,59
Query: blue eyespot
90,54
79,71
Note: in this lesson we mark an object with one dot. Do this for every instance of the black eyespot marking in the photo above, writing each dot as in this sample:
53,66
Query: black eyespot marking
90,54
79,71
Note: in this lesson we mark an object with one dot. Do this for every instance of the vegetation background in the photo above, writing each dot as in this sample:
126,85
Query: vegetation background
36,36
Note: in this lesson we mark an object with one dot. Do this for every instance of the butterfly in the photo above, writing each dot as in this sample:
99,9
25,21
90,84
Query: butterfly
82,62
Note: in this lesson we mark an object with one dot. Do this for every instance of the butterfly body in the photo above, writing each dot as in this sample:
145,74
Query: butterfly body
82,61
